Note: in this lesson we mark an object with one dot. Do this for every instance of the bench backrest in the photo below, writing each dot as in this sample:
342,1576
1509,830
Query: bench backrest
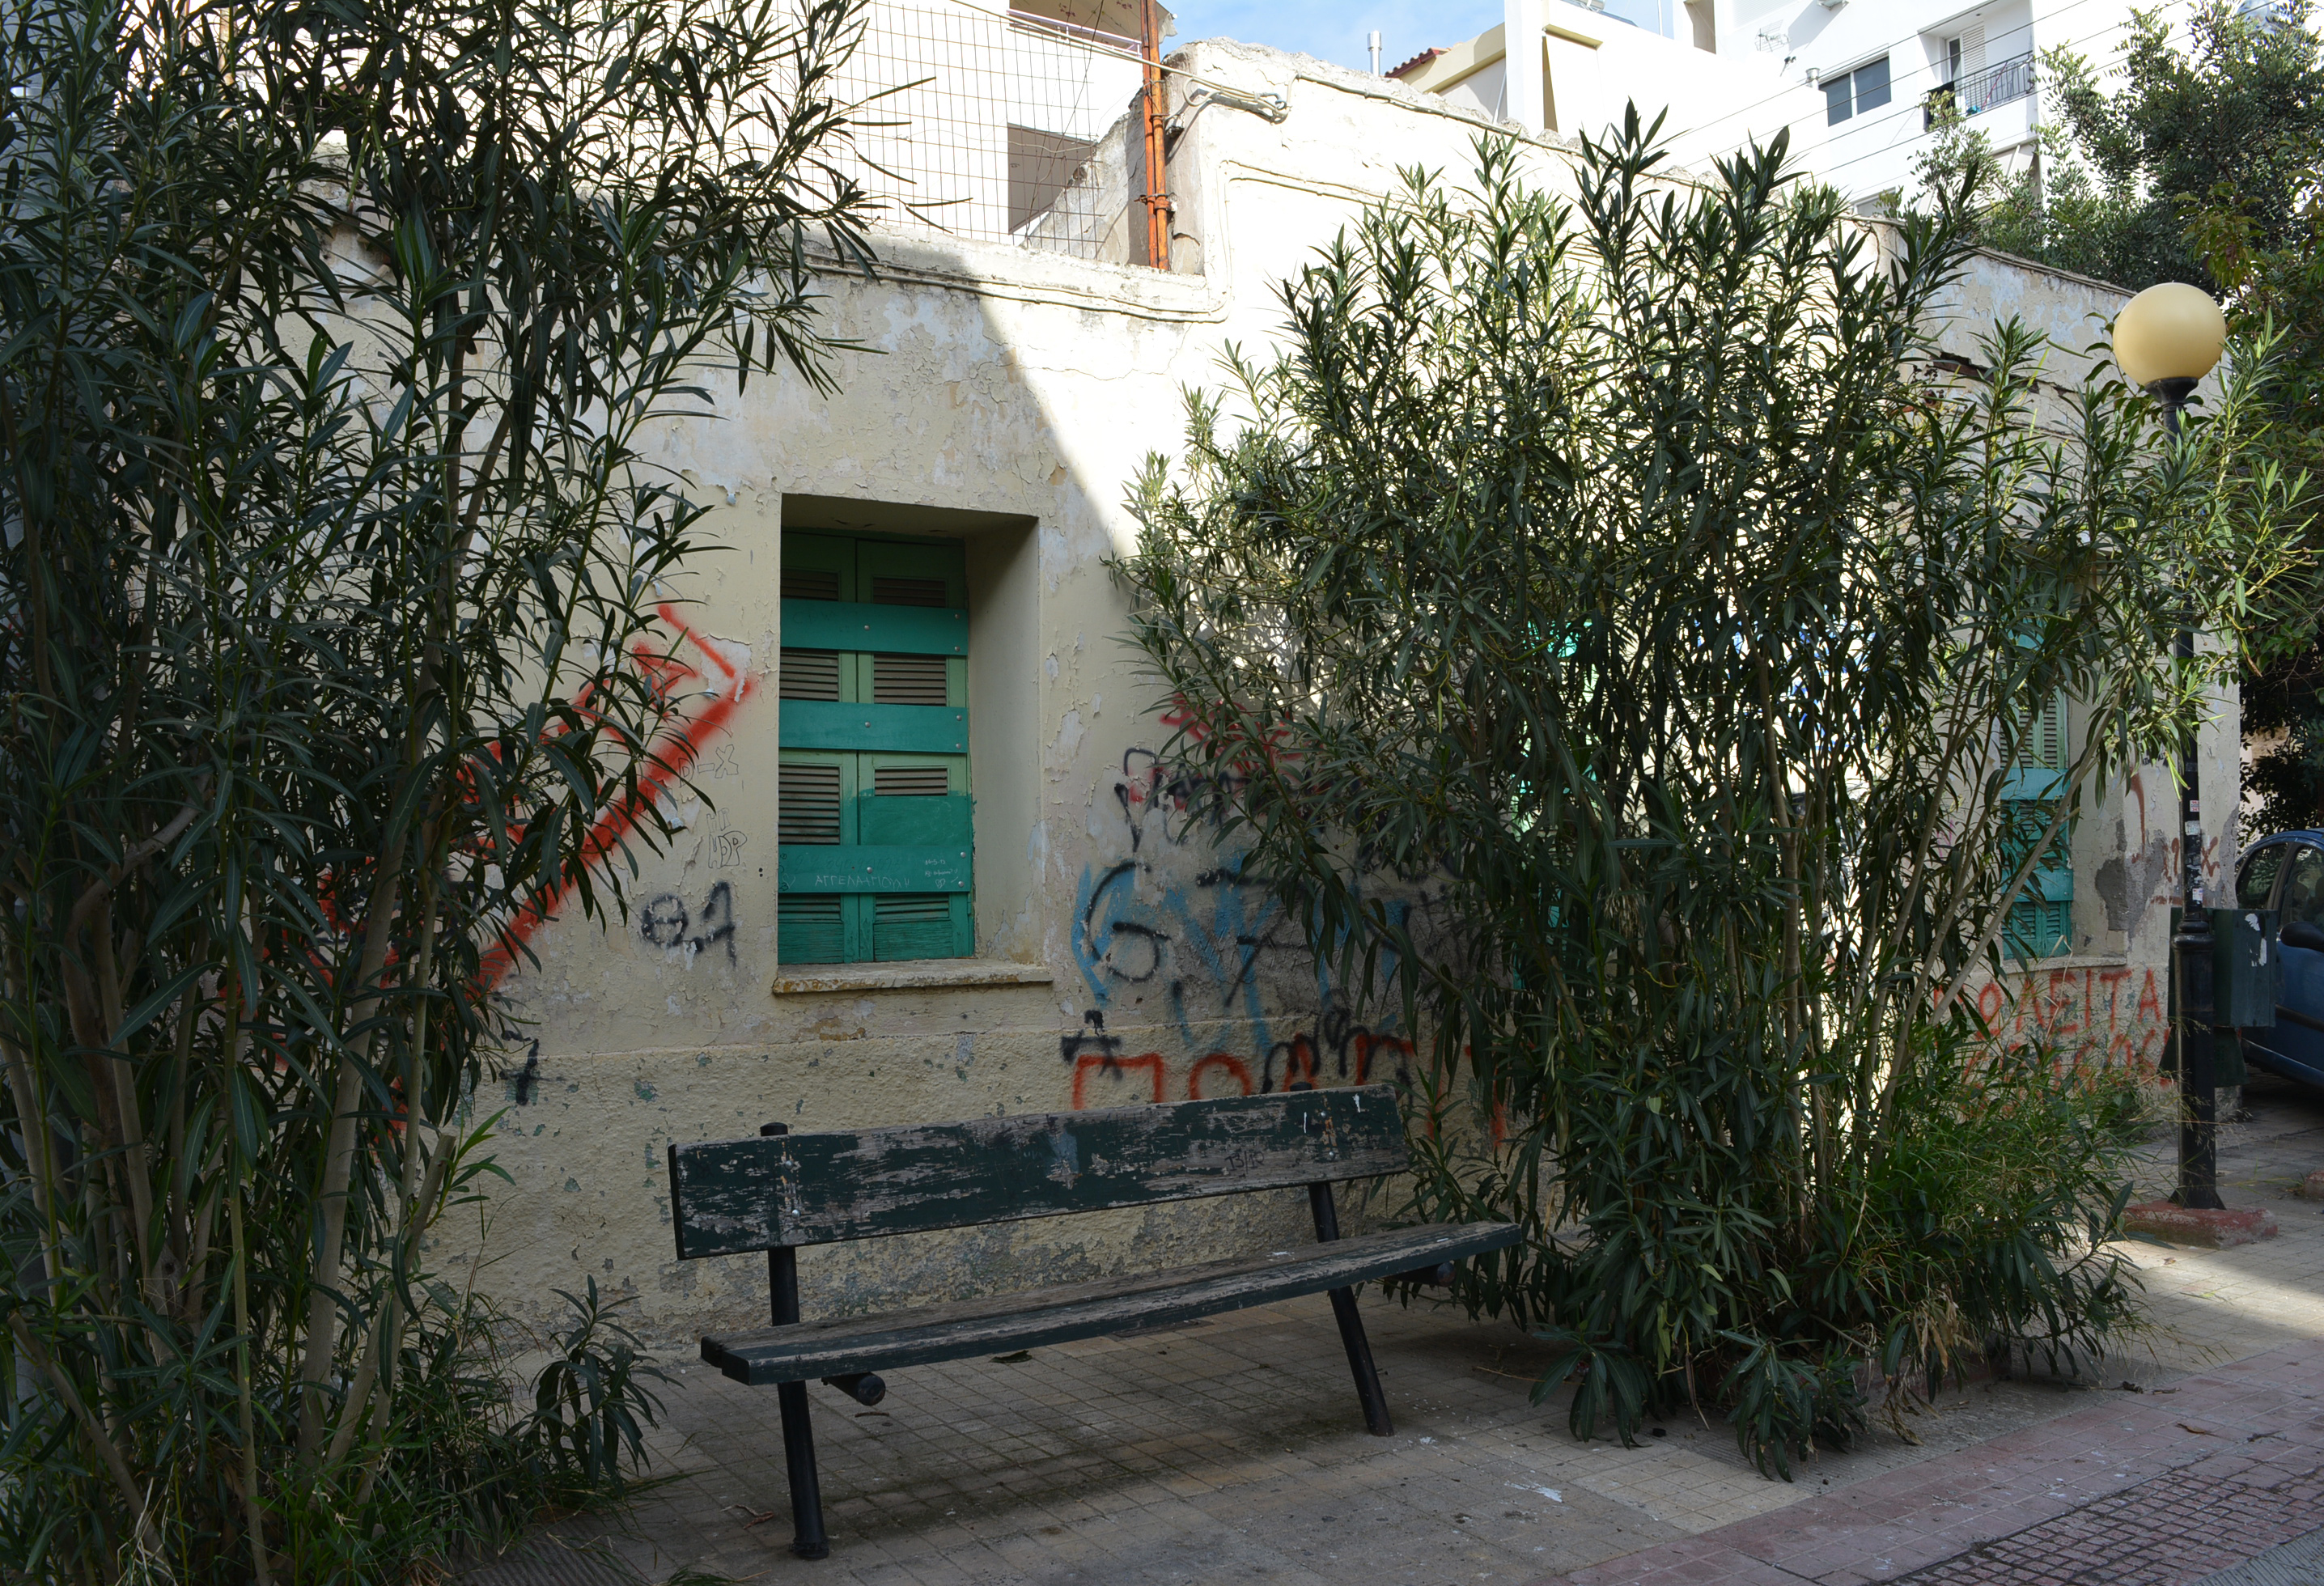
729,1196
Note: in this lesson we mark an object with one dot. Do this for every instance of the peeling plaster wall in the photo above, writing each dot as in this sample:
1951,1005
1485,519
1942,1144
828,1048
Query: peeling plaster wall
1008,398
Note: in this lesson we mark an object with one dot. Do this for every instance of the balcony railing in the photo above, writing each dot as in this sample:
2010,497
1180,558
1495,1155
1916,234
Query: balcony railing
1981,90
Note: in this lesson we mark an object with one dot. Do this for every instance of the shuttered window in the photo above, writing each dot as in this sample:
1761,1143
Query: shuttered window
876,842
2041,921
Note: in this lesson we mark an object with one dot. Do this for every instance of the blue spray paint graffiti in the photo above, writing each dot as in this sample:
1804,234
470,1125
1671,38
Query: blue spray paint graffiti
1198,945
1193,947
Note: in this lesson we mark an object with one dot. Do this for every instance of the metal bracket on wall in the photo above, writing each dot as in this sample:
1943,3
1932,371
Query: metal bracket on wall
1274,107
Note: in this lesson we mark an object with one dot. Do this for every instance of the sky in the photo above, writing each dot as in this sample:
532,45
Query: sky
1335,30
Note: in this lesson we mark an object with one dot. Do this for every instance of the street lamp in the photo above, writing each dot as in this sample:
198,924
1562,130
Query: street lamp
2166,339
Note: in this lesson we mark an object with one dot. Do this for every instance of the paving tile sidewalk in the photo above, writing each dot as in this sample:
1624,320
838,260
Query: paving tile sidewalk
2160,1488
1232,1451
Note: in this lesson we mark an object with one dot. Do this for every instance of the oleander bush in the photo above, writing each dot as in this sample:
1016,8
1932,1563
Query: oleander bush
1611,623
334,342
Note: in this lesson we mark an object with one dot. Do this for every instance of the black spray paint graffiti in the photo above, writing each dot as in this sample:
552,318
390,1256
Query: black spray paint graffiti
1146,784
1336,1051
1185,946
1143,924
665,922
1196,941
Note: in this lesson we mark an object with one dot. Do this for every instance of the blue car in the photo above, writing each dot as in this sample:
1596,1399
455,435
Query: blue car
2285,872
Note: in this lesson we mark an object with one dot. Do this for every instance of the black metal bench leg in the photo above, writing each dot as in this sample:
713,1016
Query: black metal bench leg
798,1455
1359,1362
798,1433
1352,1321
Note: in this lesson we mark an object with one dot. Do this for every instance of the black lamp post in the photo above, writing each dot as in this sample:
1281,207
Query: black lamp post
2166,339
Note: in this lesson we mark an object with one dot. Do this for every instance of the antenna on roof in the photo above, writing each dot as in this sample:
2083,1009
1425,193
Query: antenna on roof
1375,52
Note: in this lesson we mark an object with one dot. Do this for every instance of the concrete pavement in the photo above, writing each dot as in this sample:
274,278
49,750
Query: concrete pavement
1233,1449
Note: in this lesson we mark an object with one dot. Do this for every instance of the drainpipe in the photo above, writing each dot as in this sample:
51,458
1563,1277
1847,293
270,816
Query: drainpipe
1522,95
1157,196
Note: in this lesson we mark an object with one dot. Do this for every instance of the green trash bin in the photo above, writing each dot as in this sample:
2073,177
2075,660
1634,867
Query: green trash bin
2246,968
2246,984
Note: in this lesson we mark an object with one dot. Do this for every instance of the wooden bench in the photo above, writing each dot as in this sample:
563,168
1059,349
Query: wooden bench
782,1191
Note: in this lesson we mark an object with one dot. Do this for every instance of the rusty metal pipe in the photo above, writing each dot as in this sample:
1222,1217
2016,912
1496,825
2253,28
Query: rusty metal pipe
1157,196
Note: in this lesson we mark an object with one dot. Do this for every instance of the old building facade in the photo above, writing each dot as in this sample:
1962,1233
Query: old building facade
933,863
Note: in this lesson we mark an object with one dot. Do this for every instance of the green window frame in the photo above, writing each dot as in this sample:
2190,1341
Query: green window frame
875,854
2041,921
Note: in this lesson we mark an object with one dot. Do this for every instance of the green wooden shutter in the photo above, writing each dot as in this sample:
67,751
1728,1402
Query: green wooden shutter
2041,921
817,793
874,685
818,567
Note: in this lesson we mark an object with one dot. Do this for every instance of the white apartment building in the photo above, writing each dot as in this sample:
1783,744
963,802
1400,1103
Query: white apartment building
1858,83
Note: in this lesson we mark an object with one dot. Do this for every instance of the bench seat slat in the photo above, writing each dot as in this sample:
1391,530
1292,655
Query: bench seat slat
730,1197
998,1324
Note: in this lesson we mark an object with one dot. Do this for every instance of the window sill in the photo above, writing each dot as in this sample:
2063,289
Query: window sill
916,974
2068,961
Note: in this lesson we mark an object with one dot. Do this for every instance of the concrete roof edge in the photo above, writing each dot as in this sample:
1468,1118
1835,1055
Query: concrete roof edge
2020,260
1006,270
2061,273
1309,68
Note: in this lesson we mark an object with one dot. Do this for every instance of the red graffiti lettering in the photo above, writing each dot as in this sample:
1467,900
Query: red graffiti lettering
2150,1006
1365,1043
1299,1056
2060,1001
1149,1063
1234,1068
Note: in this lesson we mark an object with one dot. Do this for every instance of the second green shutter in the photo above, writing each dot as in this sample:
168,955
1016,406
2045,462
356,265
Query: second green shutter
2041,921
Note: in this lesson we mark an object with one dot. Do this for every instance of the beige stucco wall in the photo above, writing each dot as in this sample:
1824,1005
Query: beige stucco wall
1008,398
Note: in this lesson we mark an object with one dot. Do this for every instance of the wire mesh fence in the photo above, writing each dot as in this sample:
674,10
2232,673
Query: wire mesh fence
1004,127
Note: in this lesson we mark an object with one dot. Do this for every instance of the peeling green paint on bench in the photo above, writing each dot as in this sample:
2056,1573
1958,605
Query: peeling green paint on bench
806,1189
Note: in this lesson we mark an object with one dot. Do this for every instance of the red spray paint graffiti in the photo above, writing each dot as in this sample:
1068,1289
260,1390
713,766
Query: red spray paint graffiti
2089,1014
720,684
1105,1076
1090,1063
1224,1063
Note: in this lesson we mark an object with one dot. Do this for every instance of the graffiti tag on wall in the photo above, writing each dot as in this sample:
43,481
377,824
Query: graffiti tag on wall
2111,1014
1175,935
712,675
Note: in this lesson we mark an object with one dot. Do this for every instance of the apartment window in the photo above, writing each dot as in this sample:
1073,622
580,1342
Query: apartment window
2042,921
875,844
1852,93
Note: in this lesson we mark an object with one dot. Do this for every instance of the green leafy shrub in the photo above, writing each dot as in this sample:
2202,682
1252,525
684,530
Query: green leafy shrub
590,1403
1611,625
337,344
